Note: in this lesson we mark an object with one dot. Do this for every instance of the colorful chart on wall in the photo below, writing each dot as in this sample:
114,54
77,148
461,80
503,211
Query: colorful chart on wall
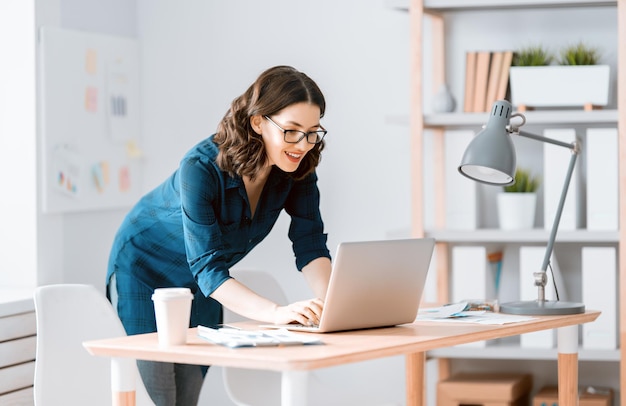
90,121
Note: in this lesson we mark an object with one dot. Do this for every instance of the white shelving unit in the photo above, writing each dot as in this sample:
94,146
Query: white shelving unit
535,118
462,5
512,352
437,12
523,236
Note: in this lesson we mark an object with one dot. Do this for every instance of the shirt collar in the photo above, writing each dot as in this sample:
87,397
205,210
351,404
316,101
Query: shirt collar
276,176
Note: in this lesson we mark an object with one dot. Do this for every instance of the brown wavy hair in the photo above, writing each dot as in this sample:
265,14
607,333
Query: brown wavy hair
241,149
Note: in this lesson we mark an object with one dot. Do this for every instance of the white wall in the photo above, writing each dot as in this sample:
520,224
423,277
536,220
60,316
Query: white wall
18,210
74,247
198,56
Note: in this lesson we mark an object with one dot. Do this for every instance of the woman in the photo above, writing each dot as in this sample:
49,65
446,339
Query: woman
220,203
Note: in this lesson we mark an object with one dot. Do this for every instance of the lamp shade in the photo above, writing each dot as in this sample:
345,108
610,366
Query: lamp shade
490,156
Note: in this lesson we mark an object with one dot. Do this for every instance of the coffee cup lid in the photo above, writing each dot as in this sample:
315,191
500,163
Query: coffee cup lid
172,293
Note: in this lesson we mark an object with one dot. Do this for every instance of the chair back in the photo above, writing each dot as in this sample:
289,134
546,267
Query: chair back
248,387
65,373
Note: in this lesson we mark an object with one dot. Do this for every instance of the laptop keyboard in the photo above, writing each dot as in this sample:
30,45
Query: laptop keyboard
305,325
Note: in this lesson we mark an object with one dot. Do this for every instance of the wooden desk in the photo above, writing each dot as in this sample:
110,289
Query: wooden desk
411,340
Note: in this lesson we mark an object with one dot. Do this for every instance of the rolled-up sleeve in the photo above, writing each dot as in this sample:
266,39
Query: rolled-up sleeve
306,230
199,189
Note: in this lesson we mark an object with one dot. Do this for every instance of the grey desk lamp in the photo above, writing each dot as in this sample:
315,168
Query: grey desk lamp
490,159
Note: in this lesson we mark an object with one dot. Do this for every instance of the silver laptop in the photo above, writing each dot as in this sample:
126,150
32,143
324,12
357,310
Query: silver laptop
373,284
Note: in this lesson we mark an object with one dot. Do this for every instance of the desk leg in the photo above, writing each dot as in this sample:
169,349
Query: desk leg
415,377
294,388
123,381
568,365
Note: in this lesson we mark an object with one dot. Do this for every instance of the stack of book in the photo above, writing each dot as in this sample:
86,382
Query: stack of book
486,79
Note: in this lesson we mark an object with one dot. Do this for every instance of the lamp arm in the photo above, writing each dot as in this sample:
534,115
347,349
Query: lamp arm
559,211
572,146
541,277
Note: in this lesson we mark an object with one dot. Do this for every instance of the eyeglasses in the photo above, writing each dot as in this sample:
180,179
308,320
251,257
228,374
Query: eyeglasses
295,136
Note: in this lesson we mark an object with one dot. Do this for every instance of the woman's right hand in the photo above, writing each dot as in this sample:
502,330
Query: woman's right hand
306,312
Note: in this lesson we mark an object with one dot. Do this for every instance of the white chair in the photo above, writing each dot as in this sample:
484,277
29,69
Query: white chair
65,373
248,387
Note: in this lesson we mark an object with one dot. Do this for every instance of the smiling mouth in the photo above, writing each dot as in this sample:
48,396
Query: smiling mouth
293,155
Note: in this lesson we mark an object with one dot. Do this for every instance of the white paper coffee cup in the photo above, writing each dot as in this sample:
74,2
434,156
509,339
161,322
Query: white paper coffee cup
172,307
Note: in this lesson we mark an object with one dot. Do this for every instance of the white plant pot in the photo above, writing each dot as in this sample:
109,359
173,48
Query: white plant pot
516,211
559,86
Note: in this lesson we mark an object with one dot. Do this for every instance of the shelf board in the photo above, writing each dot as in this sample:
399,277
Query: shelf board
465,5
551,117
533,118
522,236
511,352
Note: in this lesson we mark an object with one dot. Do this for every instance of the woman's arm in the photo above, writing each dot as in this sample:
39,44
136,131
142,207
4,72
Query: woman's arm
241,300
317,275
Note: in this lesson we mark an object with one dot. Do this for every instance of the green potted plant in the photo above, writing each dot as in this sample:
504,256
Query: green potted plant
532,55
574,79
517,203
525,182
579,54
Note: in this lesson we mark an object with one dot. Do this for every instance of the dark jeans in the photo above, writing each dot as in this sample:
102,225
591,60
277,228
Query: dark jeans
171,384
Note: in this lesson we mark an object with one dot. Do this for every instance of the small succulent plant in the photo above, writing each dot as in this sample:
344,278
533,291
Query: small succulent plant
579,54
524,182
534,55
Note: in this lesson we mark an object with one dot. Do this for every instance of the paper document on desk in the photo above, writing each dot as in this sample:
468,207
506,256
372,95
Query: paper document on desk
457,313
237,338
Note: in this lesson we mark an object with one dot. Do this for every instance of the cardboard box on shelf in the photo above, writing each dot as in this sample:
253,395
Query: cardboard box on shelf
494,389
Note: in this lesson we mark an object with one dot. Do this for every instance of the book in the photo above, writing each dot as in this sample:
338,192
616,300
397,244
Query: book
481,77
470,77
469,278
495,69
469,273
599,285
503,82
233,337
602,180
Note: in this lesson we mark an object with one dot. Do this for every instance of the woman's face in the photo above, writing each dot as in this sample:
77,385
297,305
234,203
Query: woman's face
303,117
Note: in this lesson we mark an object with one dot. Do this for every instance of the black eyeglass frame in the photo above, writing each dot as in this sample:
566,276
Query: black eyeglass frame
303,134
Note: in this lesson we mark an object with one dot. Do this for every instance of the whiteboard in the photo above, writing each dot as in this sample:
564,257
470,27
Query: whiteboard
90,121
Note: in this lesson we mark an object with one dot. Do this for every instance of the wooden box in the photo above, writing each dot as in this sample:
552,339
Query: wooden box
493,389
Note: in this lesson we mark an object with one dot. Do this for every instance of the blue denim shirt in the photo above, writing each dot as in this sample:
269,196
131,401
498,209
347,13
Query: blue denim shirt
197,224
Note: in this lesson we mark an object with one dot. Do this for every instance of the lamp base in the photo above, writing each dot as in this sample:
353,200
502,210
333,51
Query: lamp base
545,308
